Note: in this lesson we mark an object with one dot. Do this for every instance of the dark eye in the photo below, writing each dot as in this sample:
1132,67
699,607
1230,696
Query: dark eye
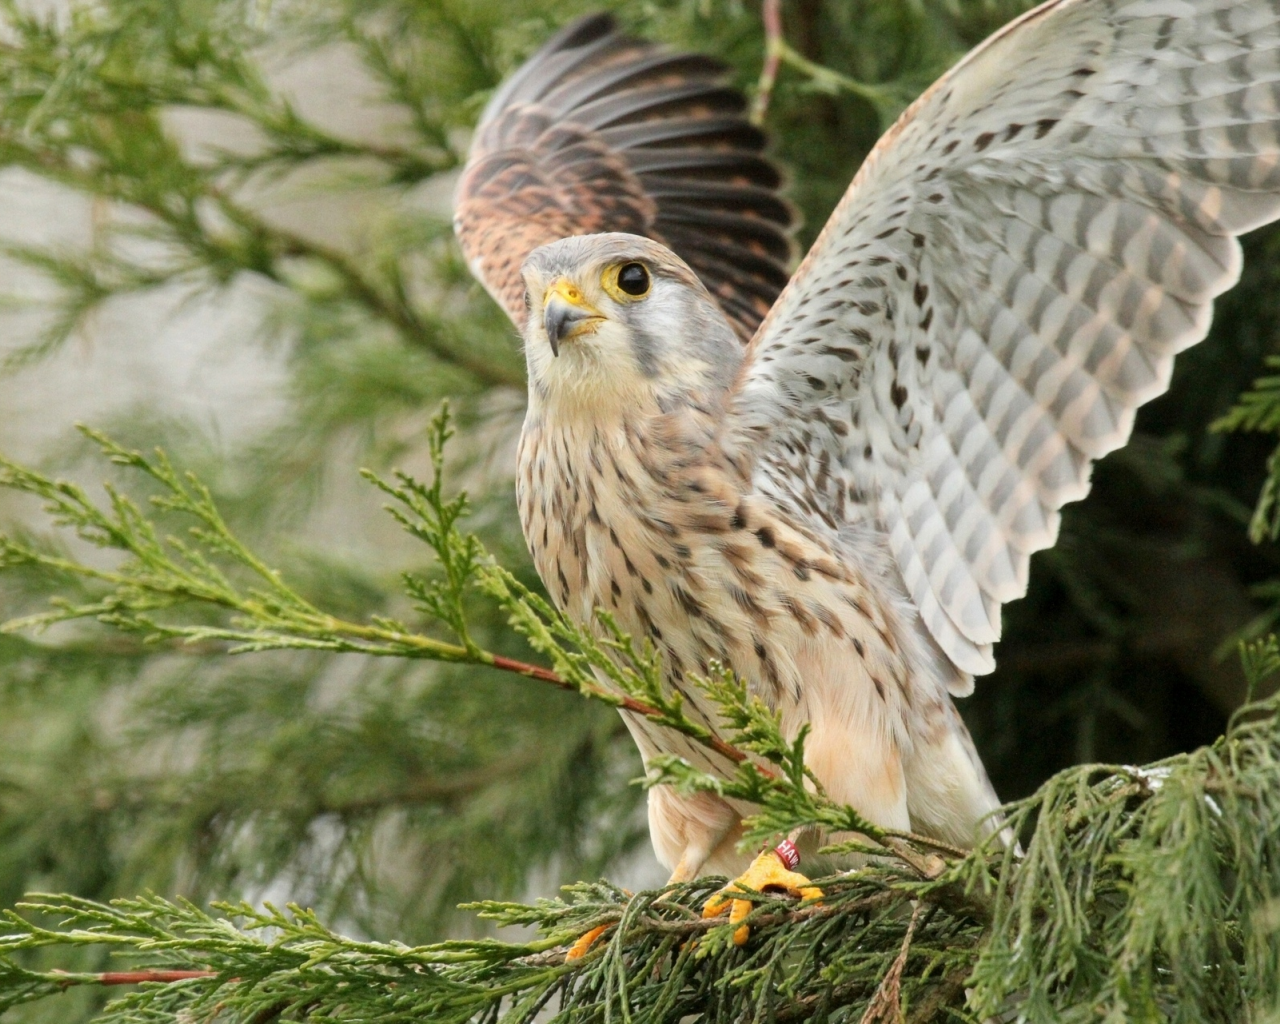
633,278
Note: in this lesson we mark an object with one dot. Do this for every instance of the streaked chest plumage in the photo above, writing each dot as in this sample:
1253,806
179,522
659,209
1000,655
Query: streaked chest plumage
641,518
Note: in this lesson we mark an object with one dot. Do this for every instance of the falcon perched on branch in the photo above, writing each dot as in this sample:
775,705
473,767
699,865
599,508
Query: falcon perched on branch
839,509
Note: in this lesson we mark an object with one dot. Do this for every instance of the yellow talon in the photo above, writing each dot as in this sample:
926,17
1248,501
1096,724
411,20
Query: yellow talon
584,943
767,872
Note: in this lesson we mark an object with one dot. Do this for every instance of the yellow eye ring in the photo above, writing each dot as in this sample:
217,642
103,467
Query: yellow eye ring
627,282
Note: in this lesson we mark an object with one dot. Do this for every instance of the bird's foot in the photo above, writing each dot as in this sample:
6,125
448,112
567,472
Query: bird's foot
769,872
582,945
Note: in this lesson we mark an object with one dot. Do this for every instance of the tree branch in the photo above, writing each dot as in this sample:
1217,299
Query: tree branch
771,15
142,977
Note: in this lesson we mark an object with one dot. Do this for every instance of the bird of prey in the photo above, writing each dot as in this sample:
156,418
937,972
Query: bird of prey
838,509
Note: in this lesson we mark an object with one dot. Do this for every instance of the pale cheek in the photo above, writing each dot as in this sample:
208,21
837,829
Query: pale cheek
597,366
539,357
608,350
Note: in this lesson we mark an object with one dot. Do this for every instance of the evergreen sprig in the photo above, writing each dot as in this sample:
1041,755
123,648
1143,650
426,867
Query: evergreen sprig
209,568
425,513
1258,410
166,581
1149,891
1143,894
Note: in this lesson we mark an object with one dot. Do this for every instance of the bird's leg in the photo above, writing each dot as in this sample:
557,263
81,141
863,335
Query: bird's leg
687,869
771,870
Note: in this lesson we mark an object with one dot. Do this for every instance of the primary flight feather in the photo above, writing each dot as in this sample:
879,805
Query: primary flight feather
839,510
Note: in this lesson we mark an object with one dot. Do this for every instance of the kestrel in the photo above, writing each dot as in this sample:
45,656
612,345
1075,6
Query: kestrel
839,509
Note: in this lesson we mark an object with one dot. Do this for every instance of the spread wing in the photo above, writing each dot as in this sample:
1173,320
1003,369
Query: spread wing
1006,281
602,132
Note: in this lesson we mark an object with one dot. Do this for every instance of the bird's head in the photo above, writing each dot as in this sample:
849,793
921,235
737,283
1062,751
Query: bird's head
619,320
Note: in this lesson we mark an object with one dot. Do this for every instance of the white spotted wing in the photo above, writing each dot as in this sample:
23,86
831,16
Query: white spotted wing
1006,281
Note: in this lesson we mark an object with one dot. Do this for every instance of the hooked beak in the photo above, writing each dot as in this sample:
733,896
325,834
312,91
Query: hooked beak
566,313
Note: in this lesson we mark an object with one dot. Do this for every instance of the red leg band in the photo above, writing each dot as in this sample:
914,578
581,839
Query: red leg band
788,854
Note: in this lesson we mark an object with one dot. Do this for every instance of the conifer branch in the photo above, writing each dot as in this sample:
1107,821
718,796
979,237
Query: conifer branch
1258,410
887,99
166,582
146,977
1141,889
82,111
771,17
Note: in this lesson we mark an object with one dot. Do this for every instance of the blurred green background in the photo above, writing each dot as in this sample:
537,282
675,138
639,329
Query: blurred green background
225,230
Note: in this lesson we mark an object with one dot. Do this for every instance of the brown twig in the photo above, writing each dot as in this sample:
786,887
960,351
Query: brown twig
531,671
886,1004
140,977
937,844
927,867
771,14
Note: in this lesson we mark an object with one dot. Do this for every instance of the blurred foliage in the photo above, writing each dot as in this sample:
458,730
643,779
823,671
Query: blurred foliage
382,793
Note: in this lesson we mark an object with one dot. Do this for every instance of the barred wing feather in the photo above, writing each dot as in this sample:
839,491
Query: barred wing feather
1006,281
